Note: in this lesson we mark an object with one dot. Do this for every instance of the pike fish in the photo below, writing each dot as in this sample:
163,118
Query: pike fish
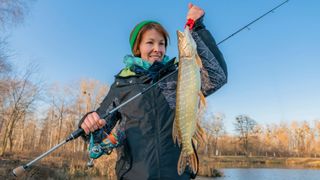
186,129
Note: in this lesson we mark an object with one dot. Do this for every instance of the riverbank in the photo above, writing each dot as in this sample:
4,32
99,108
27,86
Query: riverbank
260,161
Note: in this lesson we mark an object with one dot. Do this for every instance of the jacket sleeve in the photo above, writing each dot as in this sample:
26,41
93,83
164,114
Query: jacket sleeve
108,103
214,73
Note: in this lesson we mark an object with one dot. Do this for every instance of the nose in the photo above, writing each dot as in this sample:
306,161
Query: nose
158,48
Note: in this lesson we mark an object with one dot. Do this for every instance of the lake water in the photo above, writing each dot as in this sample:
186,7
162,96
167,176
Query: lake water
267,174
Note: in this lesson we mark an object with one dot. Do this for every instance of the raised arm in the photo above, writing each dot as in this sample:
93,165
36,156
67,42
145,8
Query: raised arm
214,74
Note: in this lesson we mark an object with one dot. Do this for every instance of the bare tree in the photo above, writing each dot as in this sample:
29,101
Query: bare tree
22,94
214,127
25,134
245,127
13,12
67,104
303,137
5,68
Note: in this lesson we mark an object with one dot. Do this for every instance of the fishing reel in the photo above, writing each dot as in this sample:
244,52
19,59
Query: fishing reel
105,147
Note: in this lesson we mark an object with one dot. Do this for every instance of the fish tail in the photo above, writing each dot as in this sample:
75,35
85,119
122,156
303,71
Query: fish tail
187,160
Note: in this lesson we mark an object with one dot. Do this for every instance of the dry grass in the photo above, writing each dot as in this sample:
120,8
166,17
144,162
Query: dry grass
59,167
306,162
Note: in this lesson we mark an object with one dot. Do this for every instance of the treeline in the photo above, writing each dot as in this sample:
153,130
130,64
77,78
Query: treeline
294,139
34,119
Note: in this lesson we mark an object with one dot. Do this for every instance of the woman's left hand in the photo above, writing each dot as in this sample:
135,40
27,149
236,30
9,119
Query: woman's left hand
194,12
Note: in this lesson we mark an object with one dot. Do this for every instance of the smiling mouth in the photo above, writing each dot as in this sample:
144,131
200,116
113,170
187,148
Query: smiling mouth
155,56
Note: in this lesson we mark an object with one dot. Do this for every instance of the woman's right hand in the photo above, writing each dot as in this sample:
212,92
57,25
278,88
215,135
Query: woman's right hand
92,122
195,12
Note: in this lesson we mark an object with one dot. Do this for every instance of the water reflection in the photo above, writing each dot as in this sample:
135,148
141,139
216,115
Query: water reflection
267,174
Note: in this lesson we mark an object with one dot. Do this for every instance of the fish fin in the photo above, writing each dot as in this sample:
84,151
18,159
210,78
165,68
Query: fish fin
199,136
202,106
175,133
187,160
202,99
198,60
194,174
180,36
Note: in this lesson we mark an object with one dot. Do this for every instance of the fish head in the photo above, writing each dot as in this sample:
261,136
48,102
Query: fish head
186,45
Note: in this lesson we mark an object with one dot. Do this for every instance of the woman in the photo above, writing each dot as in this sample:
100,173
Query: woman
148,151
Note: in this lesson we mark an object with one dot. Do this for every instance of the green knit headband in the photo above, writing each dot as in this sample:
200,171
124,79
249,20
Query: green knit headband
136,31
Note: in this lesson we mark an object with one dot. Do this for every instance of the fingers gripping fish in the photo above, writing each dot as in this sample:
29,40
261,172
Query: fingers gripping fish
189,97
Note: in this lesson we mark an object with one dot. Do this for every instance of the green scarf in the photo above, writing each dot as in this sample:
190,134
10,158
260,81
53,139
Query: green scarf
130,60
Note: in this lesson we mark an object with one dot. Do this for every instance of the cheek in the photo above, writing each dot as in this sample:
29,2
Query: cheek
144,52
144,49
163,49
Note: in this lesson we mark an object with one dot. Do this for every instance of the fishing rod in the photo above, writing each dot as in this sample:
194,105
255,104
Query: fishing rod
21,169
255,20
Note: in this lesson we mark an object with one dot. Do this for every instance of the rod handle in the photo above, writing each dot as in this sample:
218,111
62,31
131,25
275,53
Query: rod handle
75,134
18,171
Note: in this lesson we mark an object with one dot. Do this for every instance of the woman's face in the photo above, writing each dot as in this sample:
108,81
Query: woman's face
152,46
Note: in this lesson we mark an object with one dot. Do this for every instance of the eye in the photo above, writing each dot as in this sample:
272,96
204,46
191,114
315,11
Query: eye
162,43
149,42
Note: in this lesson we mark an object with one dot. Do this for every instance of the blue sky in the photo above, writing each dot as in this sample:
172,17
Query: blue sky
273,67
